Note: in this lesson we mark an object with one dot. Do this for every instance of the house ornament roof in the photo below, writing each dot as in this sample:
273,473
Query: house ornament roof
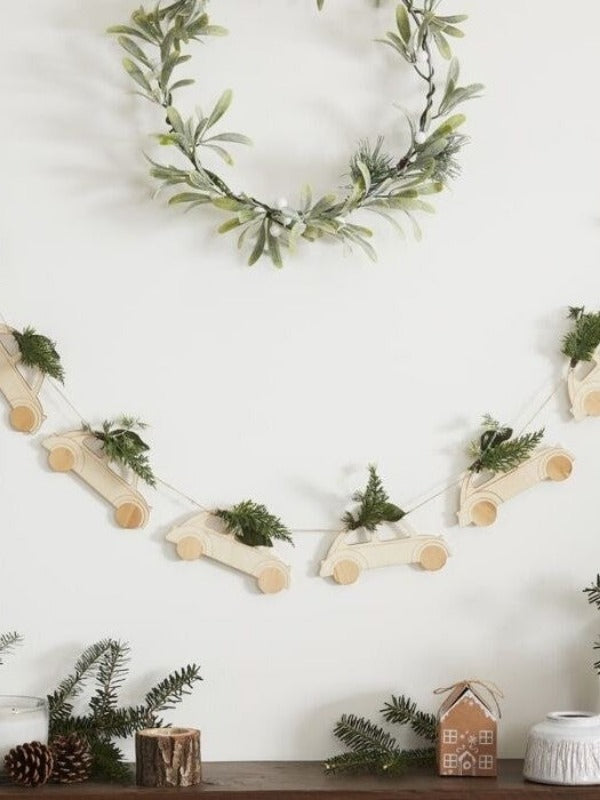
486,695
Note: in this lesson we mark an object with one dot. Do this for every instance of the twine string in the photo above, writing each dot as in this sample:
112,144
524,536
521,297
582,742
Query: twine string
492,690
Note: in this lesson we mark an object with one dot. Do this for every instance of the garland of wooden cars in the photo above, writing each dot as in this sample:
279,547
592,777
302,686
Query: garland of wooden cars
505,466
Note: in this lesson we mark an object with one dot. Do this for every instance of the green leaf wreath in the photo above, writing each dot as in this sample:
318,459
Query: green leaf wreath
579,344
107,662
252,524
40,352
379,181
375,507
123,445
374,751
497,451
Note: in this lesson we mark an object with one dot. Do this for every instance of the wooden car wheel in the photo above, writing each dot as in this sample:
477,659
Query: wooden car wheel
190,548
433,557
61,459
346,571
484,513
129,515
23,419
559,468
591,404
272,580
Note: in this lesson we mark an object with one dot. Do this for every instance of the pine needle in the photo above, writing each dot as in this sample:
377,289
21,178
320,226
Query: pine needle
252,524
579,344
122,445
8,643
375,507
496,450
403,711
39,352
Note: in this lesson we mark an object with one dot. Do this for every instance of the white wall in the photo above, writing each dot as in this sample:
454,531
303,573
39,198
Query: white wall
282,386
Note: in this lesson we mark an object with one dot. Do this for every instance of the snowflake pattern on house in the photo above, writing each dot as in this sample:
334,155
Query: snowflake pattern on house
467,733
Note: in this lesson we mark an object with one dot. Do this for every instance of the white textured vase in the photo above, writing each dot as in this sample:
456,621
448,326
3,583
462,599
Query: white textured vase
564,749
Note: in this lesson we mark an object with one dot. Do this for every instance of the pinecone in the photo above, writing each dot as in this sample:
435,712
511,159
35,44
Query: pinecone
72,759
29,764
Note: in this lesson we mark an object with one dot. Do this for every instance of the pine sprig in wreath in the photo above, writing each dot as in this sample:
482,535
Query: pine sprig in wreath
105,720
252,524
375,507
579,344
39,352
122,445
496,450
373,750
153,40
8,642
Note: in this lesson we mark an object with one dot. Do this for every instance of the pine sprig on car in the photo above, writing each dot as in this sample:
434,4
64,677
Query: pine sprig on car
8,642
579,344
497,451
375,507
378,182
122,445
374,751
39,352
107,662
252,524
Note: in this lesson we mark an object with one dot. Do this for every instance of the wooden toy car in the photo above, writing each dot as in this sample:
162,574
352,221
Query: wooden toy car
345,561
584,393
197,537
26,414
479,503
81,452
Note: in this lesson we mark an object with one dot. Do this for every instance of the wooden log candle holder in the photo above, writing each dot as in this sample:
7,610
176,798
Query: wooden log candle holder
168,757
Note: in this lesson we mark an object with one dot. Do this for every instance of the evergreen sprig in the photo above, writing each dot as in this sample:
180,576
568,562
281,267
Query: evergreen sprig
593,593
381,183
39,352
375,751
375,507
496,450
403,711
105,720
579,344
121,444
252,524
8,643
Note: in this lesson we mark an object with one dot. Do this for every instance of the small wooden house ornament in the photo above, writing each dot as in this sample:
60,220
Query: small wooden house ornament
468,729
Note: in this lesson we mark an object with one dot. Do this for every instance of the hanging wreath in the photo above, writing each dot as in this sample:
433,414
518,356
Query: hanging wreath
378,181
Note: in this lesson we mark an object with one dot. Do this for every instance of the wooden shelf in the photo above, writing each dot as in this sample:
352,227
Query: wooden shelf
305,780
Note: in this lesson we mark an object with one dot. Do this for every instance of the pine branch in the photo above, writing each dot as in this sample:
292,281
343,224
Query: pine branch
8,642
593,593
403,711
112,671
252,524
40,352
378,763
579,344
59,702
375,507
496,450
106,721
363,736
170,691
121,444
